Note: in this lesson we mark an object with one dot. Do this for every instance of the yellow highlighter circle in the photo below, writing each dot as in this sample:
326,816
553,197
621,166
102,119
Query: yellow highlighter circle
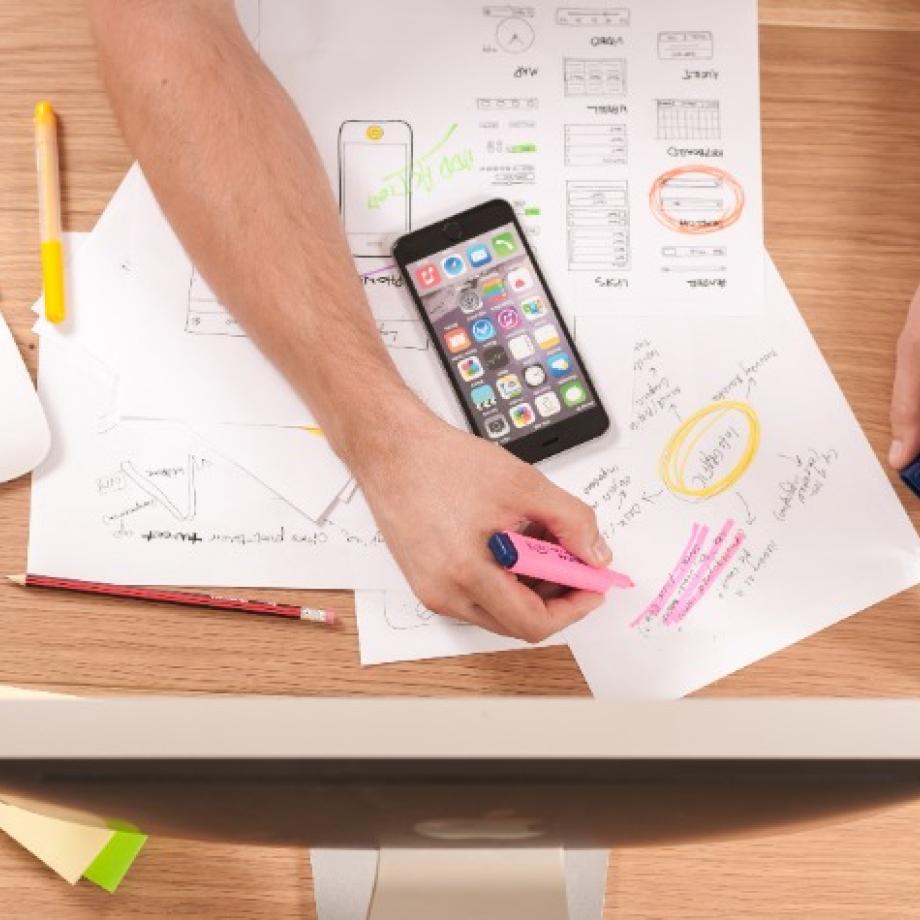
374,132
676,454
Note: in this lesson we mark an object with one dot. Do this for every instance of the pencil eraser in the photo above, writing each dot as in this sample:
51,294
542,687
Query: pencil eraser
911,476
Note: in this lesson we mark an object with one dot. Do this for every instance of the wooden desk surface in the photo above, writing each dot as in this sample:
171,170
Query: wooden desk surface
841,138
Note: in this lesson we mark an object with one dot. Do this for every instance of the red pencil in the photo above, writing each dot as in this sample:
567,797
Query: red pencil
167,596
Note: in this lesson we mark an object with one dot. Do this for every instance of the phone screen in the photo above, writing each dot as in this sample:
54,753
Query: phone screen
497,326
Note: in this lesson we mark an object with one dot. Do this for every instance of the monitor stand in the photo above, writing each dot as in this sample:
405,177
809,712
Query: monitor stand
496,884
346,881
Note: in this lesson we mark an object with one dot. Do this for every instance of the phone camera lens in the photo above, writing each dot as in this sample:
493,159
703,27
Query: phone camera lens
453,231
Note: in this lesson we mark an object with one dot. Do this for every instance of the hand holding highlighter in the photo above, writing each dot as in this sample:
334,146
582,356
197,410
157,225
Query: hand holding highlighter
550,562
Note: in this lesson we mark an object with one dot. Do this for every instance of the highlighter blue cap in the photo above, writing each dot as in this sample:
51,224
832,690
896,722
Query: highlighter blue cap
910,475
503,550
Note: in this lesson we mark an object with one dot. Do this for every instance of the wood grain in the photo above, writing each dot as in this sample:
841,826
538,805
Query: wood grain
842,14
841,131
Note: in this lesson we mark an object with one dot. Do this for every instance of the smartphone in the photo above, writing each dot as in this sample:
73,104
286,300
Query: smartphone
375,184
499,334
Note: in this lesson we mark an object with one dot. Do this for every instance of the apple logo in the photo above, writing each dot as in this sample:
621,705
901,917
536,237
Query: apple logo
494,825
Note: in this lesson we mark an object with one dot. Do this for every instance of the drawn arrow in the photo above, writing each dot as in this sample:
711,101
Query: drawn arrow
749,518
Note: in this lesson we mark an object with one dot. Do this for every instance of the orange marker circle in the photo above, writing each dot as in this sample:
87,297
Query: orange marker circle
730,214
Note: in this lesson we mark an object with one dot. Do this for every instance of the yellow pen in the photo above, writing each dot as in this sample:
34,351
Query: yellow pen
49,211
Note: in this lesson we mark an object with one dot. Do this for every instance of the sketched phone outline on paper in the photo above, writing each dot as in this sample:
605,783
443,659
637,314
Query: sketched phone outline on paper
356,137
205,314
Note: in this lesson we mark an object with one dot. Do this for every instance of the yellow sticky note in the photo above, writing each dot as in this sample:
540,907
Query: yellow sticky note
67,848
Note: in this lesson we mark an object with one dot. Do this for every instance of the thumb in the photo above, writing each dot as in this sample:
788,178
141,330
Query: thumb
570,521
905,399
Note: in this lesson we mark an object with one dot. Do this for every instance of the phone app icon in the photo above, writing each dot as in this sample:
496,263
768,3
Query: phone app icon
534,375
559,364
508,318
495,357
548,404
522,415
453,265
427,276
497,426
547,337
483,330
478,255
468,301
573,393
470,368
521,347
504,244
457,340
493,289
509,386
483,397
533,308
520,279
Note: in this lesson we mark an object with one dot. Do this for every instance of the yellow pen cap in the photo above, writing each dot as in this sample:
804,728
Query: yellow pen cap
44,112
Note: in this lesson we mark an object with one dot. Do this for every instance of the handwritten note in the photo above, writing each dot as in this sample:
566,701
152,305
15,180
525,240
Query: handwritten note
148,502
628,145
751,514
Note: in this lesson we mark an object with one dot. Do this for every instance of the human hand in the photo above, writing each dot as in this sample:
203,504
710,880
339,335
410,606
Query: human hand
438,494
905,399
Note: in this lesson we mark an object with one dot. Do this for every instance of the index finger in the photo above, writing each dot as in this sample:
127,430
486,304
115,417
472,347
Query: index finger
905,402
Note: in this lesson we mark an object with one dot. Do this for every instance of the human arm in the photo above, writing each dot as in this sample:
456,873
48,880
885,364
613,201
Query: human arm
235,170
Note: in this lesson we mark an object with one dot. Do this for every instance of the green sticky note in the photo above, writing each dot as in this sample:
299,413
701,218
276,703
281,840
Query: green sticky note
111,865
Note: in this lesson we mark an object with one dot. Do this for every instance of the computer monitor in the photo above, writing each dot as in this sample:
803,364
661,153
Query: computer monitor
445,775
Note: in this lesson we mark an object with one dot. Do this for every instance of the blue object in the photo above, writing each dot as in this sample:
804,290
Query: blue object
911,477
503,550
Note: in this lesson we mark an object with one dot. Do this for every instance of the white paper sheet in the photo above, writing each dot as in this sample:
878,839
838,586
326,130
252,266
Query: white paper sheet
138,317
132,288
395,626
298,466
148,503
65,847
811,532
578,115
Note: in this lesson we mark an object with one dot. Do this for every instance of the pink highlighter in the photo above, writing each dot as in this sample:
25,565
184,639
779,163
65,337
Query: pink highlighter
550,562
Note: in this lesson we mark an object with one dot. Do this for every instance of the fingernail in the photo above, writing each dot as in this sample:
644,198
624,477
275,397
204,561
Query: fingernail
894,452
602,552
